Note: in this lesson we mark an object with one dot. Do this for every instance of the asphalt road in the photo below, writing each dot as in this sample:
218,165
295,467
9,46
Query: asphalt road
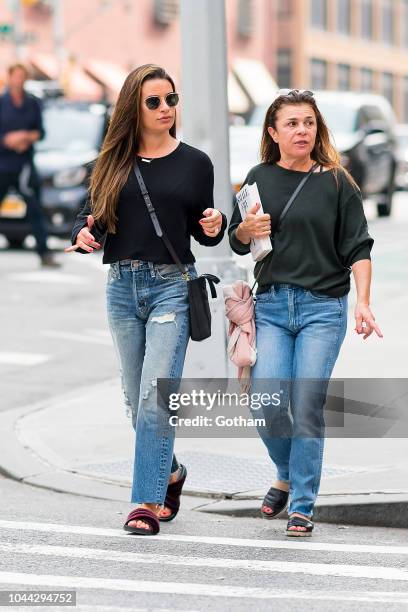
52,541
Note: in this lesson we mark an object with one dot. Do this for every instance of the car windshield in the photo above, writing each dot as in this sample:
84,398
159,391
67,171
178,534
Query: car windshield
71,129
403,141
340,117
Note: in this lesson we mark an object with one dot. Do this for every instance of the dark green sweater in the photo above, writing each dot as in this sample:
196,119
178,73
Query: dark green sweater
323,234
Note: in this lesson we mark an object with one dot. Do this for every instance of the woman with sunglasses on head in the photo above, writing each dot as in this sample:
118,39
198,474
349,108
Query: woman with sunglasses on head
301,300
147,298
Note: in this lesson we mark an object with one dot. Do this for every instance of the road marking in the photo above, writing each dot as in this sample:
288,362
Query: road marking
45,276
283,567
86,338
23,359
186,588
278,544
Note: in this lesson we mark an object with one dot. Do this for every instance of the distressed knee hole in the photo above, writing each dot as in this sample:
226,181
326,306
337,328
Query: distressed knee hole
165,318
147,392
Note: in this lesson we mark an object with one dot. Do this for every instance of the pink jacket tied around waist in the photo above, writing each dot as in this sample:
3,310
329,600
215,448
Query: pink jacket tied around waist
239,308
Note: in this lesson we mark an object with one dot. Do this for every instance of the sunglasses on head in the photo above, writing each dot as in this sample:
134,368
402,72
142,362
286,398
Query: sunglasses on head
294,92
153,102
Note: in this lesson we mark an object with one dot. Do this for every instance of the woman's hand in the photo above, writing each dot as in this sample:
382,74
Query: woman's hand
365,321
85,240
212,222
254,226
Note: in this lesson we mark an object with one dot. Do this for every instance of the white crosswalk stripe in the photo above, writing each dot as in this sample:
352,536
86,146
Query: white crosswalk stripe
22,359
242,542
186,588
106,558
293,567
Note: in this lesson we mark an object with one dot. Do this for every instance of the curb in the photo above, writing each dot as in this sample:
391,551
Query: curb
371,510
22,464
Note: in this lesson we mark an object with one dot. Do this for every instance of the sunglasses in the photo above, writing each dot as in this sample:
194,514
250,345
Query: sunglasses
153,102
294,92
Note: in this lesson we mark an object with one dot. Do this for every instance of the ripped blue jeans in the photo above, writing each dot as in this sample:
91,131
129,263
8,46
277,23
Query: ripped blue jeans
148,314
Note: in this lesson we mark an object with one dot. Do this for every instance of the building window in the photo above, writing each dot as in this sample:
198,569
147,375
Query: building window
244,21
387,20
165,11
318,14
284,9
343,77
405,109
367,79
318,74
284,72
404,20
344,16
367,19
388,86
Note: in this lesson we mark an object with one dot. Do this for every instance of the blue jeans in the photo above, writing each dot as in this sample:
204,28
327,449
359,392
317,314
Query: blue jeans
299,334
148,316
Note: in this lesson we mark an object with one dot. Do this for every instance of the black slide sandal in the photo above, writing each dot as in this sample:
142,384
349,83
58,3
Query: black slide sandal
298,521
275,499
172,501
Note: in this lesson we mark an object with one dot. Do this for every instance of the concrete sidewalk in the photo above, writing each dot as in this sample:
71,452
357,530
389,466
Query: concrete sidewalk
83,444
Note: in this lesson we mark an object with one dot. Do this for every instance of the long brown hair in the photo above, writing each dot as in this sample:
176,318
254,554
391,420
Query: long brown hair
121,144
323,151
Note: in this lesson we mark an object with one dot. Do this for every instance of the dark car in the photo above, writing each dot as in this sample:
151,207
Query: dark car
73,136
363,128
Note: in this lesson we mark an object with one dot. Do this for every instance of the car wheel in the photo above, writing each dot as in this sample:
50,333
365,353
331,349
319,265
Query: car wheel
15,243
384,205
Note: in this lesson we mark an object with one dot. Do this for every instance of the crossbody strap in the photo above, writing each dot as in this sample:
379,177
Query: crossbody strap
285,212
156,224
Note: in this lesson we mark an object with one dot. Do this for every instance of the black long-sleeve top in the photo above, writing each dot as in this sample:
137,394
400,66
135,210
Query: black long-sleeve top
323,234
181,187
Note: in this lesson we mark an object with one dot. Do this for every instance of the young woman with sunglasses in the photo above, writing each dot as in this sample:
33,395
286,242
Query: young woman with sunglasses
301,301
147,299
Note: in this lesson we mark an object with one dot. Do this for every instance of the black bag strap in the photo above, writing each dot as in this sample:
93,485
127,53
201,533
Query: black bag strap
211,278
285,212
156,224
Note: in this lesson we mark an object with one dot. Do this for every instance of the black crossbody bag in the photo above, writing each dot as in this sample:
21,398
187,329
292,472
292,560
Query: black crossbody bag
200,314
283,215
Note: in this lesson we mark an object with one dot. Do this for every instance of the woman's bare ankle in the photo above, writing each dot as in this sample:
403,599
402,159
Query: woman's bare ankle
281,485
156,508
174,476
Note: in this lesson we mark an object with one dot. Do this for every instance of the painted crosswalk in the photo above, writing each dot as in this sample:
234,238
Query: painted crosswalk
102,556
22,359
375,549
285,567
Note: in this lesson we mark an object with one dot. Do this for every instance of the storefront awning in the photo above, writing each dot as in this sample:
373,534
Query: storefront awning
237,100
255,80
109,75
77,85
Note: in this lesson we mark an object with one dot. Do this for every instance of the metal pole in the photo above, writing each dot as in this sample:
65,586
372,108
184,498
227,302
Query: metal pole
205,126
17,29
58,35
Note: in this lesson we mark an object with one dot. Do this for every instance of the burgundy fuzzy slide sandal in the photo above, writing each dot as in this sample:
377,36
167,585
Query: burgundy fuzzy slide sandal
173,494
145,515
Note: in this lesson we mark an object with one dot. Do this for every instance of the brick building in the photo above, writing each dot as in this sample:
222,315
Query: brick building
336,44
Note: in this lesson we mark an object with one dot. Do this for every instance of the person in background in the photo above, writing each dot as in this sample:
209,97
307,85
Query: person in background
20,127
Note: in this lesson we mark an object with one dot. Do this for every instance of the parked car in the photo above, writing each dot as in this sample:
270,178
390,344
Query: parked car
363,127
73,136
401,177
